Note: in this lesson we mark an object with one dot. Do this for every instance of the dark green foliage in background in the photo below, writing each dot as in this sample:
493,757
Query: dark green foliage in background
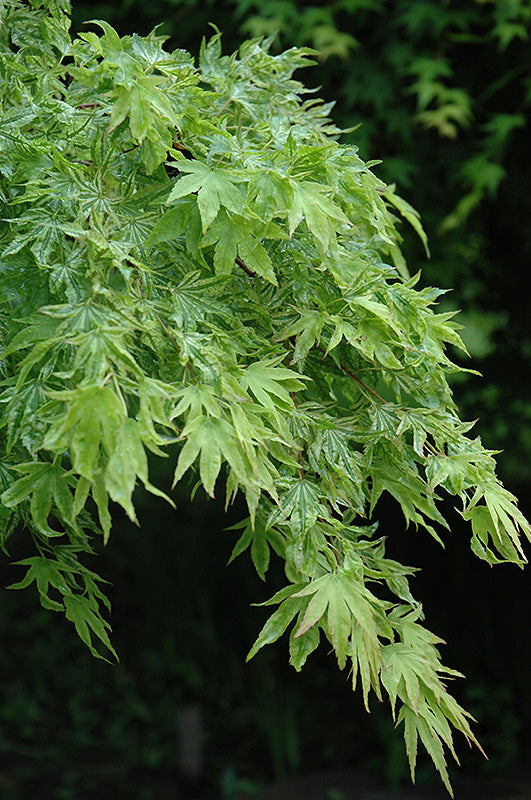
189,257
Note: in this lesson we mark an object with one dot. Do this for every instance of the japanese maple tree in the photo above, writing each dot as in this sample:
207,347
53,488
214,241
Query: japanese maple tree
190,256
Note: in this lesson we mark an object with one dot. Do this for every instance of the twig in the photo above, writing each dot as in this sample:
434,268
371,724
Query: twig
244,266
353,376
223,107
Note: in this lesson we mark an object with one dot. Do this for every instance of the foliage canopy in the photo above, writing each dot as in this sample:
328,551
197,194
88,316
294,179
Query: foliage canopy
190,257
441,92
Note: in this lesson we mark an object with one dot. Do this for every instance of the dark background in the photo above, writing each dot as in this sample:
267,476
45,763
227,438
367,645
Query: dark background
74,728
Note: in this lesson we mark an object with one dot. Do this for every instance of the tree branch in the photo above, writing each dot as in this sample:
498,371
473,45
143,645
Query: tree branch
352,375
244,266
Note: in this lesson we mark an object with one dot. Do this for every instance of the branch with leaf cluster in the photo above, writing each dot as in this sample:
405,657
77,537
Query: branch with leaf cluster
154,295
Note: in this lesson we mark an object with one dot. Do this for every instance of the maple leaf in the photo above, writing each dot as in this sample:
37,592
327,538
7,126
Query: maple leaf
215,188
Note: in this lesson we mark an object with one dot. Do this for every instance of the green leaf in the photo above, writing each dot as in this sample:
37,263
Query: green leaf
94,415
242,544
270,194
46,488
236,237
260,550
121,105
339,623
300,647
171,224
307,329
322,215
127,462
209,464
409,214
83,612
272,385
256,257
226,251
101,498
215,188
215,437
411,740
320,590
47,574
275,625
301,503
141,117
499,520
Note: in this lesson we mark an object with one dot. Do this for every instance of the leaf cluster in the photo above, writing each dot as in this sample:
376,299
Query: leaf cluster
190,257
442,94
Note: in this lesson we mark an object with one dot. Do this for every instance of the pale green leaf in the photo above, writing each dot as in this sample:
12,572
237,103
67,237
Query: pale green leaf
410,214
242,544
275,625
215,188
300,647
85,616
209,464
